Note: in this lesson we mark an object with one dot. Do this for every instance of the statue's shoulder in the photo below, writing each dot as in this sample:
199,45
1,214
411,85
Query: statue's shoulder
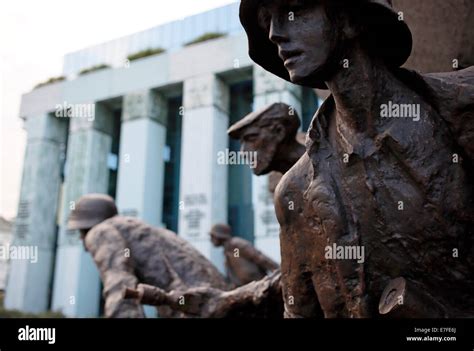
454,92
464,77
290,190
300,173
107,226
451,94
454,89
117,225
237,242
444,90
103,234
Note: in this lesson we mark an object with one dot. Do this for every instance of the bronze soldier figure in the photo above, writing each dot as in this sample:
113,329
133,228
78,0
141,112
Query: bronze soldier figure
388,168
261,297
271,133
243,261
128,251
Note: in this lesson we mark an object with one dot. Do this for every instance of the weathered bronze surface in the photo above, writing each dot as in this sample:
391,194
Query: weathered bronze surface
384,191
270,133
127,251
91,209
182,282
258,299
243,261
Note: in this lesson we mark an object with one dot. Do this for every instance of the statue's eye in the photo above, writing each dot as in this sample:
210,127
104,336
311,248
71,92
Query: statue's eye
264,18
251,137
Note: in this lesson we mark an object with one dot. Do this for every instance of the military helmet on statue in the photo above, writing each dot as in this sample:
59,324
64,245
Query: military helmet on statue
90,210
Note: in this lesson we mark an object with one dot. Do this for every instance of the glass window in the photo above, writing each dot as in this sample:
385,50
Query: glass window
240,206
172,165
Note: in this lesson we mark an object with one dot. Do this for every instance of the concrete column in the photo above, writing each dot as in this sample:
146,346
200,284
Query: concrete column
203,184
77,283
142,142
28,287
269,89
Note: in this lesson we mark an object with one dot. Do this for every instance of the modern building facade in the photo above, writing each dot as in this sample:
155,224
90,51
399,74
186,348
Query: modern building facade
148,133
5,239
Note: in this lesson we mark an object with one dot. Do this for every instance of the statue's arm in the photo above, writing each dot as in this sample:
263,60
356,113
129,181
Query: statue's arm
111,255
256,256
455,93
207,302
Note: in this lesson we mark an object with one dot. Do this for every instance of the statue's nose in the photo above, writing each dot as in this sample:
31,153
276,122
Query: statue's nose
277,31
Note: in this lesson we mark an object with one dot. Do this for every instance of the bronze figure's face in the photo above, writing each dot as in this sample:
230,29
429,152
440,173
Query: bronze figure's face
220,234
264,143
269,135
300,30
216,240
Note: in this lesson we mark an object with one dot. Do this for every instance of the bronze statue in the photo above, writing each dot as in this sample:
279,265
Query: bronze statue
258,299
244,262
127,251
276,155
271,133
383,216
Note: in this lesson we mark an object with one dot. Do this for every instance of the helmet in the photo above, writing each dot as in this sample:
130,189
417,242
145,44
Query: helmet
221,231
90,210
389,36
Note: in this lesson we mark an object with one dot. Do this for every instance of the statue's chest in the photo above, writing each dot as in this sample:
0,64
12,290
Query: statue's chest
387,186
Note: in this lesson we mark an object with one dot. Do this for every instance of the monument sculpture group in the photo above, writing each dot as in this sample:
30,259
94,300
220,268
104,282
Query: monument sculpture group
389,185
376,210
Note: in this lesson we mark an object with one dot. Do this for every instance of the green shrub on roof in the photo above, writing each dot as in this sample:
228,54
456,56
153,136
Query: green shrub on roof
145,53
50,81
93,69
205,37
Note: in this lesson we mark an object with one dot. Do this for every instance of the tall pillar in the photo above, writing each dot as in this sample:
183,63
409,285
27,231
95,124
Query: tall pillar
269,89
142,142
28,287
203,184
77,283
